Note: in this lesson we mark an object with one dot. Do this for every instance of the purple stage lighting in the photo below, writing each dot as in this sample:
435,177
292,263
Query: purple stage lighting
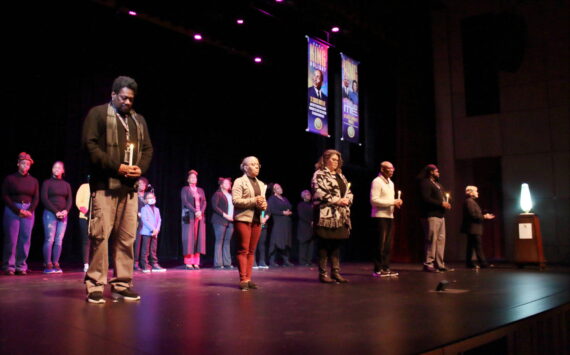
278,0
198,37
257,59
239,21
335,29
132,13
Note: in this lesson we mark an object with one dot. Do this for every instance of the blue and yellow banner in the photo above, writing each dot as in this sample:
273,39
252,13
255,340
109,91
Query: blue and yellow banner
349,88
317,93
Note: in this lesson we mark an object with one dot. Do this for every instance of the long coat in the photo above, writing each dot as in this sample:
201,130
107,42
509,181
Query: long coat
281,230
193,242
472,218
305,223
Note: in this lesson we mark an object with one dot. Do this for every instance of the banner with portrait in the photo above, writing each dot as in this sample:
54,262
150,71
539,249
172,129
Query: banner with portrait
317,93
349,89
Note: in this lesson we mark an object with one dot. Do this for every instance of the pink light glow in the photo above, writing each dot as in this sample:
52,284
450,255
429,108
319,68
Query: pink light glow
239,21
198,37
132,13
335,29
278,0
257,59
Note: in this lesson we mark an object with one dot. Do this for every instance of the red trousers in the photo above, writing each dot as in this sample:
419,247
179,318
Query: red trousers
248,236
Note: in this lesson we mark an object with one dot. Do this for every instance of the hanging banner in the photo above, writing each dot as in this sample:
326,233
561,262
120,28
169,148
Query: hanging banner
318,88
350,120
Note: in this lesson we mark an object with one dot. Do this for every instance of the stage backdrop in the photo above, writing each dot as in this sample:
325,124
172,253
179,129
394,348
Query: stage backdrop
349,89
317,93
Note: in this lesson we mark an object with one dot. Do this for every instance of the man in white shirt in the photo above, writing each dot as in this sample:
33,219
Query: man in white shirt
383,201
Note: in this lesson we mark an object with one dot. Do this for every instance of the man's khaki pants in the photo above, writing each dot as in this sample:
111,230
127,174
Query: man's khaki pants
114,221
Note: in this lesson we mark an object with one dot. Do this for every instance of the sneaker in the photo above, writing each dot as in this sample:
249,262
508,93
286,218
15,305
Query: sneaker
95,297
244,286
146,270
126,294
252,285
158,268
189,267
196,267
49,271
430,269
263,267
57,269
393,273
228,267
21,272
257,267
136,267
85,267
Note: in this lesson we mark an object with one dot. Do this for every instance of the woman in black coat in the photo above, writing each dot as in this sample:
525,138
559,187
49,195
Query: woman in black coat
280,235
223,223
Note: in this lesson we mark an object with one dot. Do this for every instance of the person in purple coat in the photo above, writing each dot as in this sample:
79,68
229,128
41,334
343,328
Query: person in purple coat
57,198
20,192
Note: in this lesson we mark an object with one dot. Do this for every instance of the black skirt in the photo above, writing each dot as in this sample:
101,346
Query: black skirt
332,233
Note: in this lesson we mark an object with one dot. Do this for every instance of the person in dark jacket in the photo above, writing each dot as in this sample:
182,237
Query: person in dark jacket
141,191
223,223
472,226
434,202
280,235
305,229
57,199
119,151
20,192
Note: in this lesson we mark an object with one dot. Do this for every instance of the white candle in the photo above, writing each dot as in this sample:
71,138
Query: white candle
447,197
131,149
399,194
347,189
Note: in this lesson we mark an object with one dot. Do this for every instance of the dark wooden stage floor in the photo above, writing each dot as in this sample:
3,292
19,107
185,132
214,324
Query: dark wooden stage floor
203,312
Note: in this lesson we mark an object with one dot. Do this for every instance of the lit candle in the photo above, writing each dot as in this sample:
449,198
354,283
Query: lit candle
131,150
447,197
347,189
399,194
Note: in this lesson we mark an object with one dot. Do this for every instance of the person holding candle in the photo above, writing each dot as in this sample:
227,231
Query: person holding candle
20,192
472,226
280,237
305,229
119,151
57,198
193,222
383,201
223,223
331,192
248,197
434,204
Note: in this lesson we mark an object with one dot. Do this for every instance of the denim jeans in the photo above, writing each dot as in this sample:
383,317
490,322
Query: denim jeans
54,230
17,238
222,256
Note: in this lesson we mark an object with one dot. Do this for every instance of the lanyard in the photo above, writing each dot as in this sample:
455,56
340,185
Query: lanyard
125,124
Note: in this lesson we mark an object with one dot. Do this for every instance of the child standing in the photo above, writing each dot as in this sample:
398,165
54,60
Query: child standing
150,220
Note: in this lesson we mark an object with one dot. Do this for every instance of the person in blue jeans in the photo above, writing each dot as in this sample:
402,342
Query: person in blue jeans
20,192
56,197
222,221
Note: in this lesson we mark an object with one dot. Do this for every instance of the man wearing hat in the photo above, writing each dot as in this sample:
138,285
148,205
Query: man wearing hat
119,150
20,192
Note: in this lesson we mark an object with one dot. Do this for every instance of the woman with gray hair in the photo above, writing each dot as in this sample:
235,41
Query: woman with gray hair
472,226
248,197
331,192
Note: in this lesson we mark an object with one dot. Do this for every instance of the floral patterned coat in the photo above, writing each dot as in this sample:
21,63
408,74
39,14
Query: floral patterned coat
326,192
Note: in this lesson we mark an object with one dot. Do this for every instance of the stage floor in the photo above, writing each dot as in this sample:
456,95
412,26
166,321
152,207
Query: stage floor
203,312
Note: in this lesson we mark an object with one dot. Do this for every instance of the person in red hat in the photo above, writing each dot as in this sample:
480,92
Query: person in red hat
20,192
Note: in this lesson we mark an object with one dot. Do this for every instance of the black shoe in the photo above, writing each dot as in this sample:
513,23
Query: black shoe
137,267
252,285
126,294
21,272
244,286
218,267
228,267
95,297
288,264
274,265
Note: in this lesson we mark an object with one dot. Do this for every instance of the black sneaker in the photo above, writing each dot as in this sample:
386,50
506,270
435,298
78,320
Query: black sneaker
126,294
95,297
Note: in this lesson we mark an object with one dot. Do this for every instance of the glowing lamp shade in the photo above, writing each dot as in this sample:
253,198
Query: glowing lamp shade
526,200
